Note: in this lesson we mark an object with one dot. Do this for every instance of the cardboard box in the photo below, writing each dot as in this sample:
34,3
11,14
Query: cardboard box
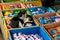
4,28
48,26
12,5
32,4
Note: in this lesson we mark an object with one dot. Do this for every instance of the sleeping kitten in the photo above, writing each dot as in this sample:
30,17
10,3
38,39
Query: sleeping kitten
20,20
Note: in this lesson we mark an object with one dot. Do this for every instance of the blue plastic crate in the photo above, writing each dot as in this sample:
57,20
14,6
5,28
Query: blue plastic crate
32,30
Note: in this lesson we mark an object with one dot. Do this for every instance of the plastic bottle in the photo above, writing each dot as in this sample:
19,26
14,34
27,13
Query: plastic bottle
15,36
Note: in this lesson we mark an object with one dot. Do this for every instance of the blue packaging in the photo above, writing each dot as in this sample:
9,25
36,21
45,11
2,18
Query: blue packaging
40,10
44,21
